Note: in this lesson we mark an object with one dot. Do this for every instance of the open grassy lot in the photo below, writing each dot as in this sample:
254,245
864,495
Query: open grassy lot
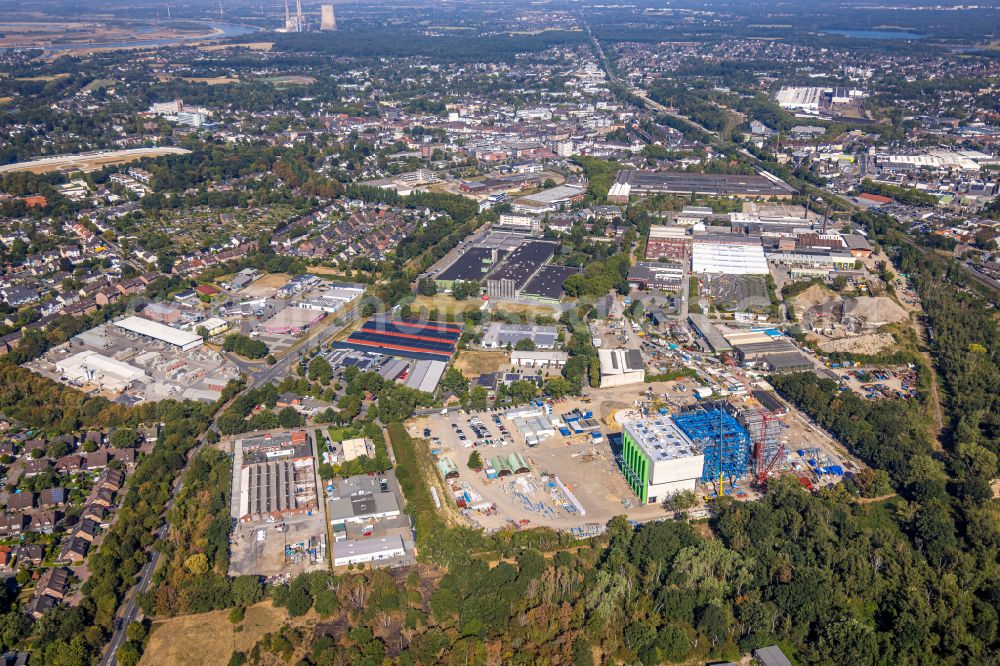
445,303
253,46
524,308
266,285
210,80
50,77
474,363
209,638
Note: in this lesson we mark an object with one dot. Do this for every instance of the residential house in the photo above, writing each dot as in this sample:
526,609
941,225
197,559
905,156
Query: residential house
42,521
27,553
88,529
38,606
105,497
97,512
112,479
20,501
55,582
96,460
33,445
11,524
74,551
71,463
52,497
35,466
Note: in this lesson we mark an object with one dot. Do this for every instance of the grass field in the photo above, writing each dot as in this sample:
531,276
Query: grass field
50,77
475,363
289,80
445,303
253,46
523,308
209,638
97,84
328,271
266,285
210,80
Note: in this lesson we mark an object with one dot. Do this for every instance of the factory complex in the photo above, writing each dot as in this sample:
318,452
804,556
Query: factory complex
508,265
135,359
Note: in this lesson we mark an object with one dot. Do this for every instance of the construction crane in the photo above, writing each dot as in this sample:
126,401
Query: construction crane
762,465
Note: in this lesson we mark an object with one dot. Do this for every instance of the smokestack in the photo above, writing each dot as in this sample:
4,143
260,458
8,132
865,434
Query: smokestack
299,21
327,19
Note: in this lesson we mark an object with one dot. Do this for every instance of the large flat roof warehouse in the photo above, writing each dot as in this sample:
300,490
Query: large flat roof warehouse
431,341
360,498
548,282
554,195
661,439
152,329
707,330
293,320
471,266
525,261
710,184
729,259
500,334
356,551
91,367
659,459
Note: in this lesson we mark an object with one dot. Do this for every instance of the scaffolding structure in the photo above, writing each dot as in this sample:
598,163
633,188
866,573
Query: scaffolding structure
725,442
765,432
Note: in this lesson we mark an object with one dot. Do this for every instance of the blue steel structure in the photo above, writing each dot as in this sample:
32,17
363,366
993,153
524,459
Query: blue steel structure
727,445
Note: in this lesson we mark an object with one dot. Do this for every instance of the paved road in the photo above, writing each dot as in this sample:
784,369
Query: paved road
639,92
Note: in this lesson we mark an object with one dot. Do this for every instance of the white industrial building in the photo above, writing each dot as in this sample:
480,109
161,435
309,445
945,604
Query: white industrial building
152,329
499,334
730,259
426,375
538,359
799,98
621,367
361,551
660,460
90,367
811,98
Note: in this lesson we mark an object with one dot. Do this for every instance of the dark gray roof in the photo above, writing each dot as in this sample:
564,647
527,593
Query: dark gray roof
471,266
548,282
771,656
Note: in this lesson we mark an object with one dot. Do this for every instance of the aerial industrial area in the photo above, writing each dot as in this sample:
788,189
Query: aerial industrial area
499,332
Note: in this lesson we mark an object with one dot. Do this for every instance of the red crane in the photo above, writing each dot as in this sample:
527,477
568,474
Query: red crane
762,466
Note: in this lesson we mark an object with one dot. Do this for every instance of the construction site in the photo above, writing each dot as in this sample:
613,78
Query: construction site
573,464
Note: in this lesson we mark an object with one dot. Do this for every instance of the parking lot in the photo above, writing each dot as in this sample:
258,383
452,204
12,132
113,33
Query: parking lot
561,468
588,471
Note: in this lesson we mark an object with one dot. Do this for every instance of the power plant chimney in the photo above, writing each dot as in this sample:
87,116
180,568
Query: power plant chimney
327,20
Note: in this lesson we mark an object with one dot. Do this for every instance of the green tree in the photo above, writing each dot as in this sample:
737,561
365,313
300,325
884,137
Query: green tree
475,461
320,370
525,345
288,417
128,654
